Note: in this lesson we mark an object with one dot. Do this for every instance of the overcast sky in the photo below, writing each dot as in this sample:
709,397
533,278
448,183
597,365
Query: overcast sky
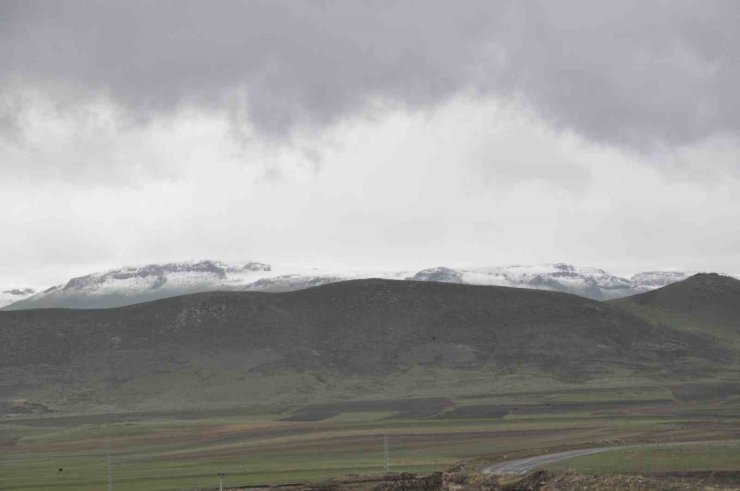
374,134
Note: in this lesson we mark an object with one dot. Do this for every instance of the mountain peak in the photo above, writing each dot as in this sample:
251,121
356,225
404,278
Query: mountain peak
697,285
159,274
439,273
135,284
704,298
657,279
708,284
711,279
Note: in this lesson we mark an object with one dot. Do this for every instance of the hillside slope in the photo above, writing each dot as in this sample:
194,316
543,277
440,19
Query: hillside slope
355,329
703,303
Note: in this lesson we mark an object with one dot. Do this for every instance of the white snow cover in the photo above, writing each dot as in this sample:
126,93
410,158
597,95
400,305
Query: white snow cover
143,283
588,282
656,279
134,284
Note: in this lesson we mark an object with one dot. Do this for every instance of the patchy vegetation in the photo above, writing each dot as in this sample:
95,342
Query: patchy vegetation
537,481
302,387
378,339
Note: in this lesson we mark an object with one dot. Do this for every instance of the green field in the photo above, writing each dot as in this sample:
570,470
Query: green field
710,456
502,374
185,450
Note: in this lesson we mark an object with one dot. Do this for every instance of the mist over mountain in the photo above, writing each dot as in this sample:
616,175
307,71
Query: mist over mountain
12,295
130,285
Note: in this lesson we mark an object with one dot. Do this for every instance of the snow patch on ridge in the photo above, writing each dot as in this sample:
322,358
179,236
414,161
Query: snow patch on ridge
134,284
588,282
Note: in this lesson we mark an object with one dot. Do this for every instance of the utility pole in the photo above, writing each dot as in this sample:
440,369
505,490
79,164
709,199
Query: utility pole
109,461
109,464
221,481
386,463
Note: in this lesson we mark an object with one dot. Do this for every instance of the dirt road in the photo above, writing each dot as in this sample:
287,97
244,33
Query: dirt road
521,466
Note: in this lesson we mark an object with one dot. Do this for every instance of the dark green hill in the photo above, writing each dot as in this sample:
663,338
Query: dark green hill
706,302
338,333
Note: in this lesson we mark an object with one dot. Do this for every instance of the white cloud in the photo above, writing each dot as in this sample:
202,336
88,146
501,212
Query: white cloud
475,181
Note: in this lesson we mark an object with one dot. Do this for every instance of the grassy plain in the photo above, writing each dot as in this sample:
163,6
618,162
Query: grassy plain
184,450
710,456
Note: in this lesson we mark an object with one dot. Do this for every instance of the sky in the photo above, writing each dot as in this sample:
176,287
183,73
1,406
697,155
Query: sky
354,134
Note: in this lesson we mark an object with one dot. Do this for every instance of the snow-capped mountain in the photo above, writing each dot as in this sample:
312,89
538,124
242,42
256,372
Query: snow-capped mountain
131,285
12,295
657,279
586,282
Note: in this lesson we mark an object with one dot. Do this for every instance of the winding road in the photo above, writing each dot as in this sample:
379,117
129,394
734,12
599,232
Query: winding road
524,465
521,466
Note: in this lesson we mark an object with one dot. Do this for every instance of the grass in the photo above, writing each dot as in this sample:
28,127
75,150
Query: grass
187,455
169,392
715,456
684,322
174,451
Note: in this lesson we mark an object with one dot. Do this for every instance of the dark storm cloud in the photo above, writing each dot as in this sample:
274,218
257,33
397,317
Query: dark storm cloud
634,72
628,73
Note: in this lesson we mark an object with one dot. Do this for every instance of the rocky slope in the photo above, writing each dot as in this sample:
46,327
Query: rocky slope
130,285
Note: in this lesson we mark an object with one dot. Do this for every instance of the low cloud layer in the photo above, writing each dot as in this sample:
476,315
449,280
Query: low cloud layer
469,184
632,73
368,134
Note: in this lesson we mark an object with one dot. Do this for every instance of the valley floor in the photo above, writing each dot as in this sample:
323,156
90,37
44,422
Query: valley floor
253,446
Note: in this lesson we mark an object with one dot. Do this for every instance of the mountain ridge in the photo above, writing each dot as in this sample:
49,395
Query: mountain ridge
352,332
703,300
130,285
